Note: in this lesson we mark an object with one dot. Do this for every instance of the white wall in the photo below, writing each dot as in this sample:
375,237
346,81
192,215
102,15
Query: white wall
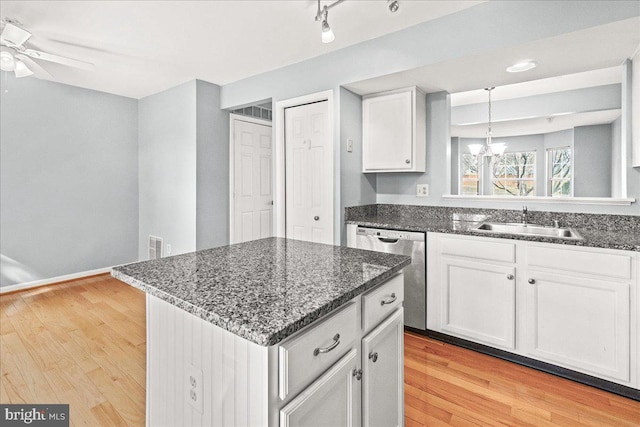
69,180
592,161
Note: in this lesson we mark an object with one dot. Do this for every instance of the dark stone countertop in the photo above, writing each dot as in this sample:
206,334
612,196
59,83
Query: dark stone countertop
263,290
624,239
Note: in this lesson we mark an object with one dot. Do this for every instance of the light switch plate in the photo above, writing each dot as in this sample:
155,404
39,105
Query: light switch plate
422,190
349,145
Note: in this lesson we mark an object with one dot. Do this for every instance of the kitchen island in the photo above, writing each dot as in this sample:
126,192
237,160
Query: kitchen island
272,332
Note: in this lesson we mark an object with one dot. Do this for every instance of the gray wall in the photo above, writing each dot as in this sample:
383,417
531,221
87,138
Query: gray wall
357,188
212,162
616,164
184,168
69,180
167,168
592,161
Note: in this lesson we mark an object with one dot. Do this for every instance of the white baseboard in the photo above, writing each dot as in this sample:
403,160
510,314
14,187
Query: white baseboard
43,282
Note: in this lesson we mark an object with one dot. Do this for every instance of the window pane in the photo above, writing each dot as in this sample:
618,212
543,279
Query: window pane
513,174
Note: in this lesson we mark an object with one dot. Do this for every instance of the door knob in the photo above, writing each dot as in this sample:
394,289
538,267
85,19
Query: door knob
510,276
316,218
531,281
407,161
373,356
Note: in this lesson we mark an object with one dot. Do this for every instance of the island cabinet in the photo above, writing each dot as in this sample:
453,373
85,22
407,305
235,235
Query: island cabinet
569,306
345,369
394,131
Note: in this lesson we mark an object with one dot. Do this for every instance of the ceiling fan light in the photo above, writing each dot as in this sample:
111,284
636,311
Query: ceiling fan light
327,33
22,70
7,61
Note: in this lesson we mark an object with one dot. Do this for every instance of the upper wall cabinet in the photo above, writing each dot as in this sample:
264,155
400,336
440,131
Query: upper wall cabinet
394,131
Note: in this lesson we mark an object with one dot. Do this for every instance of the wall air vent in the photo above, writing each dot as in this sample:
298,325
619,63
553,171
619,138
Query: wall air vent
155,247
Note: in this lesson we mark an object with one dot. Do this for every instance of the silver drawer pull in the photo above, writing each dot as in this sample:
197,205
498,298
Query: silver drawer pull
391,301
373,356
336,342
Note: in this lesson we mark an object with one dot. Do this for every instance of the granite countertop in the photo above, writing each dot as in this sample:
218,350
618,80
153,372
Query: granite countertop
263,290
624,239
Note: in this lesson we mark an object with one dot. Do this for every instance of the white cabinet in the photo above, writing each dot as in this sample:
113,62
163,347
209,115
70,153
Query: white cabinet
478,301
383,374
571,306
329,401
394,131
578,323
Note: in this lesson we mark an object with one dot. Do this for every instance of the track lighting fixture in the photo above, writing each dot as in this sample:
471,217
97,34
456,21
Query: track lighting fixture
322,15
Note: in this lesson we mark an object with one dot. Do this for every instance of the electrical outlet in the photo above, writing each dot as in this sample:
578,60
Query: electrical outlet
194,390
168,249
349,145
422,190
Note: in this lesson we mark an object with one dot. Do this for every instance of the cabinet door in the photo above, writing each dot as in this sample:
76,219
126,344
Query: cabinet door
382,374
478,301
329,401
577,323
388,132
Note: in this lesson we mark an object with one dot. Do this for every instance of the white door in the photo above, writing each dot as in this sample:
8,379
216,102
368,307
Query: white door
252,182
383,374
309,173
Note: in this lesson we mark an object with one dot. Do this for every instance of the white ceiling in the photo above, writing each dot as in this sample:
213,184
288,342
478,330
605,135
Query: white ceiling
143,47
595,48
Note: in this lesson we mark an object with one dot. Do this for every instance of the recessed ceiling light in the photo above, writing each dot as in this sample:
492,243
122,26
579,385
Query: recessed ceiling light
521,66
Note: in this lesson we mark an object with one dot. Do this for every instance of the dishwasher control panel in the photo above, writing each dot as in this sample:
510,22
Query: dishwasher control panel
385,234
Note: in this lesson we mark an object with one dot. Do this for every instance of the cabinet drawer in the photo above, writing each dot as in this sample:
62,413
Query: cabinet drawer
379,302
305,356
479,248
580,261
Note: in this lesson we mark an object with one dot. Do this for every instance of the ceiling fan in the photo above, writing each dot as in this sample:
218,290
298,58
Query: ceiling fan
17,56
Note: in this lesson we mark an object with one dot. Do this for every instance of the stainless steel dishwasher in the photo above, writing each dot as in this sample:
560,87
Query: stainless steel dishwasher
403,243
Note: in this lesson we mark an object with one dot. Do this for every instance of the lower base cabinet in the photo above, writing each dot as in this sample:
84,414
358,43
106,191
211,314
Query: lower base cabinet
329,401
577,323
569,306
383,374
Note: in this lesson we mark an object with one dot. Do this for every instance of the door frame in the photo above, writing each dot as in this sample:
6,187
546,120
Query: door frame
279,208
232,119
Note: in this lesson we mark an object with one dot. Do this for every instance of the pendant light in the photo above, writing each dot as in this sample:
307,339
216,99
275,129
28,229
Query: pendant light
488,149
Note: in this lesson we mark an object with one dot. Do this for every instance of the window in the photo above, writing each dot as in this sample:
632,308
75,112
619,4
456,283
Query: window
513,174
559,172
470,178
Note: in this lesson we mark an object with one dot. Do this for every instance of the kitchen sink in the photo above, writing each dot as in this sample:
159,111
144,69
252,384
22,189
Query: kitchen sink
528,230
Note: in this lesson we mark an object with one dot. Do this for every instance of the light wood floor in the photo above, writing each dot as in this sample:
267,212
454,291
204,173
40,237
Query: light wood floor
83,343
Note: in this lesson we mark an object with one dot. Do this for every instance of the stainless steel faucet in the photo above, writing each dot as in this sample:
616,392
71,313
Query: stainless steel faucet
525,211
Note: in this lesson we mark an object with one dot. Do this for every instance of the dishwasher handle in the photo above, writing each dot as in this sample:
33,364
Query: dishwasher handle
388,240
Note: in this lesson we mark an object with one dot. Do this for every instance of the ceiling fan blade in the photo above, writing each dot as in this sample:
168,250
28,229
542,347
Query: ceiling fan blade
13,35
34,66
59,59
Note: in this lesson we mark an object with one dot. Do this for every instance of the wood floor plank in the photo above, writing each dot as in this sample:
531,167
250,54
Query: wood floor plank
83,343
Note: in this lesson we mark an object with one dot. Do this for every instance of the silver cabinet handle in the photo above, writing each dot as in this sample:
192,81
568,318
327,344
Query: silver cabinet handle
531,281
390,301
336,342
510,276
316,218
373,356
407,161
